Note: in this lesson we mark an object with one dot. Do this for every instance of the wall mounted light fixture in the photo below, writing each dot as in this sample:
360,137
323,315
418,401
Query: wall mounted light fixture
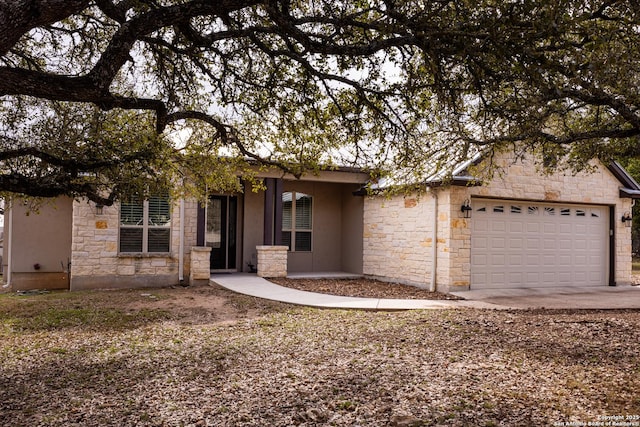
466,209
626,219
99,208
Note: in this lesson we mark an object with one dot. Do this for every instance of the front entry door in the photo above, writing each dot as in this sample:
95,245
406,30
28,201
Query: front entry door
222,215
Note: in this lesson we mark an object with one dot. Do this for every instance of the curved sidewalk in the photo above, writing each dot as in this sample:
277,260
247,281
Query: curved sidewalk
250,284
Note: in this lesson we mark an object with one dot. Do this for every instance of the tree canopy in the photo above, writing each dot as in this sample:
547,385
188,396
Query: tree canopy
99,98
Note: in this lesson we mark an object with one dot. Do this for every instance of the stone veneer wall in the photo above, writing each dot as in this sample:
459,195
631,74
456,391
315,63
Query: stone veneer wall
96,262
272,261
200,265
398,238
398,230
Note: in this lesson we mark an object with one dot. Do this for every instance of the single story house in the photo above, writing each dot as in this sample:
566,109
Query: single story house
520,229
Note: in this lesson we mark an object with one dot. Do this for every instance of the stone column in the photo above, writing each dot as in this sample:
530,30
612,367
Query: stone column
272,261
200,265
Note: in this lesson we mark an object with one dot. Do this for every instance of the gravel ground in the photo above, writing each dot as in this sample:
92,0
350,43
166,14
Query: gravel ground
365,288
207,357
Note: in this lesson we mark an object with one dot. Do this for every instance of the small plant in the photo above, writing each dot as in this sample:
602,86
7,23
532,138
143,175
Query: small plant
347,405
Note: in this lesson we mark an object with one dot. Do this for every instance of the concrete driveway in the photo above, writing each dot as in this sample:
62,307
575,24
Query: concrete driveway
601,297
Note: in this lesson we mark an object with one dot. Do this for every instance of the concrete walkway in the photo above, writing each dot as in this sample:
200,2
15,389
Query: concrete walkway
588,298
250,284
601,297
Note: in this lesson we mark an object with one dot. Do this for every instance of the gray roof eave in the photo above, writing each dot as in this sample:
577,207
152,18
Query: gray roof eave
629,193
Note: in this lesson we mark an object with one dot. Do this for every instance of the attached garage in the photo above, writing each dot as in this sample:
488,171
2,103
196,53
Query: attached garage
517,244
514,229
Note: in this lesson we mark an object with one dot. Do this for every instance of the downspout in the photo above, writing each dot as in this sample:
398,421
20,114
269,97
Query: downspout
9,248
434,246
181,247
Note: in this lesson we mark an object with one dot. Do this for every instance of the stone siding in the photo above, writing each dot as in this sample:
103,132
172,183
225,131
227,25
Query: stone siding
200,265
97,263
398,238
272,261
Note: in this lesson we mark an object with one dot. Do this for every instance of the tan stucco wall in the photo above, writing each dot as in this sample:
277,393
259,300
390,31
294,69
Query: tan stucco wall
96,262
337,227
40,242
253,226
352,229
398,230
335,210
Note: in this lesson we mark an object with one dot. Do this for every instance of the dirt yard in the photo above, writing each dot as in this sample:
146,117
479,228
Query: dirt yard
208,357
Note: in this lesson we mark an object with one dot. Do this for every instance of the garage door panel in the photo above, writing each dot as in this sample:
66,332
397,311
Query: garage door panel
533,259
498,226
498,260
581,276
481,242
549,278
479,260
580,260
581,228
516,243
565,228
581,243
496,243
528,244
532,277
516,227
515,260
564,243
497,277
565,277
481,224
533,243
515,277
533,227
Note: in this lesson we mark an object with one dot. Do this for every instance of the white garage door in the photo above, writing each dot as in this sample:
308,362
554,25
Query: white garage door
522,244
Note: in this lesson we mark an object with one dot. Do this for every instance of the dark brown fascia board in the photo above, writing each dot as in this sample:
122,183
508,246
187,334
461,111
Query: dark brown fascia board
627,193
631,188
623,176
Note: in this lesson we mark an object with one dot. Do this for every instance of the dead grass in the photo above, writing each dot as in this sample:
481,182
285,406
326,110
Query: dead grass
207,357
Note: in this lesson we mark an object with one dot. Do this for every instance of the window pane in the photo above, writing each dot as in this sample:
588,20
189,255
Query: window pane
286,239
213,236
303,212
159,210
303,241
130,239
131,212
286,211
159,240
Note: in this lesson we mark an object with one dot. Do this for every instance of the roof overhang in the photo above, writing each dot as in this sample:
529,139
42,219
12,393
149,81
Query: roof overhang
339,175
630,189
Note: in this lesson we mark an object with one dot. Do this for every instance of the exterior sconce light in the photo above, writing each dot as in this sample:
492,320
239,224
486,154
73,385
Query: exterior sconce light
99,208
466,209
626,219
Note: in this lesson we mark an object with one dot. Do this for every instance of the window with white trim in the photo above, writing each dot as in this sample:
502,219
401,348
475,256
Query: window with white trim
145,226
297,221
